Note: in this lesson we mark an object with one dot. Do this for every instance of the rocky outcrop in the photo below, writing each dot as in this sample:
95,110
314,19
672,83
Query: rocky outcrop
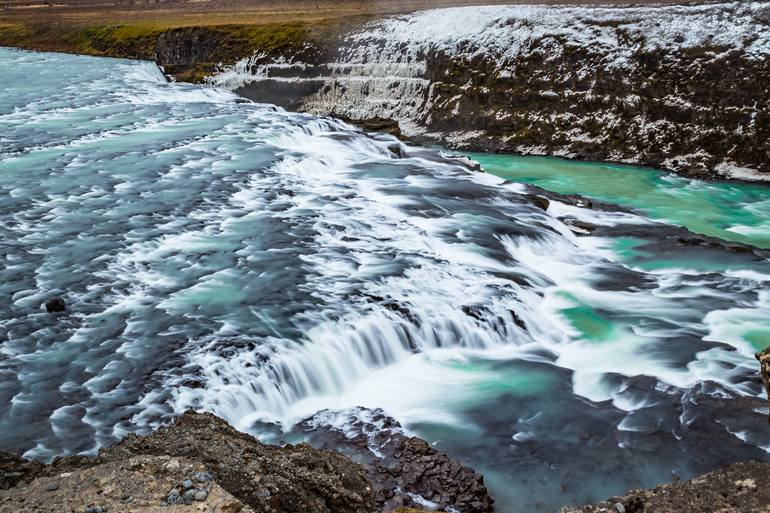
140,484
405,471
739,488
683,88
268,478
202,462
15,470
764,369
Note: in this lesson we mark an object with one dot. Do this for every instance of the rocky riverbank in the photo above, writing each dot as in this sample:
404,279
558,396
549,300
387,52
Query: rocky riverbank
201,462
739,488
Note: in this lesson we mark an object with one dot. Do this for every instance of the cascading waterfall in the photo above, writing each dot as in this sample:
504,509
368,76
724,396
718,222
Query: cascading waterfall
539,80
232,257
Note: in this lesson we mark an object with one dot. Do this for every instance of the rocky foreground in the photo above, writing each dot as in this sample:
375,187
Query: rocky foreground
201,464
739,488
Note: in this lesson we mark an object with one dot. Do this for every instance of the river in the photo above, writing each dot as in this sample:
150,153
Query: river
232,257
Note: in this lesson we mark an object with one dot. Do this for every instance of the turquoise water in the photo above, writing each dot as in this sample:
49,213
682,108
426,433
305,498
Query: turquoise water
264,266
727,210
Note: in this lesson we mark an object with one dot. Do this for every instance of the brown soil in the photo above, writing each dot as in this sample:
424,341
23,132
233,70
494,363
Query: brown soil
215,12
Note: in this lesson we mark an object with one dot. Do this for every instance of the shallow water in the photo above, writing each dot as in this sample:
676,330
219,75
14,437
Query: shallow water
727,210
262,265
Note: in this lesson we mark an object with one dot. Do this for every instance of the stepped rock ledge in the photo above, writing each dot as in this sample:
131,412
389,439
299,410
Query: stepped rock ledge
684,88
681,88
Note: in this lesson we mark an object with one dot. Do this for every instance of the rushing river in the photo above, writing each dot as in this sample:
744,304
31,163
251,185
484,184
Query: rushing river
228,256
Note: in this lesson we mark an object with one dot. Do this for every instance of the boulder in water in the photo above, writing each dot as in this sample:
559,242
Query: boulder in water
55,304
539,201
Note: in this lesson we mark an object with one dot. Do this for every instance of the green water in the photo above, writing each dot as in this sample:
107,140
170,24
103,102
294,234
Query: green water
728,210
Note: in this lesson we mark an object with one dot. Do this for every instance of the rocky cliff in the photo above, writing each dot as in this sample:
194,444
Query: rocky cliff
685,88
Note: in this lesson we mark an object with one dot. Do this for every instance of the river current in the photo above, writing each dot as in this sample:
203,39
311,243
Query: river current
231,257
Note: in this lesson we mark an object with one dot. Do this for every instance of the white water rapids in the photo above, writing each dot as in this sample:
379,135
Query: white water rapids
261,265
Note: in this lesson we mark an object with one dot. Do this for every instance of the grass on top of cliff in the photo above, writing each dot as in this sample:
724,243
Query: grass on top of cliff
224,43
131,28
117,39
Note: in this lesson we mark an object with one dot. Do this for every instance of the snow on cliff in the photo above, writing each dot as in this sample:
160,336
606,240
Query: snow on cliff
505,31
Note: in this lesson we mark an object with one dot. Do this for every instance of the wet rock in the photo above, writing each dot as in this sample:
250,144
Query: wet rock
55,304
465,161
764,369
377,124
579,227
134,485
402,467
51,487
539,201
738,488
397,150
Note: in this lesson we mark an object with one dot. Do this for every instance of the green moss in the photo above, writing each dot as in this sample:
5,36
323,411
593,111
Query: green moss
117,41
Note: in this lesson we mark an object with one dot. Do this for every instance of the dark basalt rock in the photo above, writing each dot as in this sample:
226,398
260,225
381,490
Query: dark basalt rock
764,369
539,201
578,226
56,304
290,478
402,467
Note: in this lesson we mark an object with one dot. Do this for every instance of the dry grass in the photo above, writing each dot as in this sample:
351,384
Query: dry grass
178,13
129,28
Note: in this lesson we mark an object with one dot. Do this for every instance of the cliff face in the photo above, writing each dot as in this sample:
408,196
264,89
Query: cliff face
684,88
681,88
